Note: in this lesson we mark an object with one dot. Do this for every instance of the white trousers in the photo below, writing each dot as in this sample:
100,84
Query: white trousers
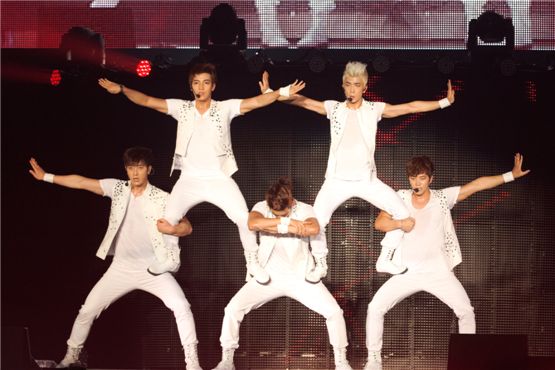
444,286
118,281
334,192
253,295
520,14
222,192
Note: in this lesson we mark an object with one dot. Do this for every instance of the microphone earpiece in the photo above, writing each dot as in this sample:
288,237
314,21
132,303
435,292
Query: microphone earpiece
127,183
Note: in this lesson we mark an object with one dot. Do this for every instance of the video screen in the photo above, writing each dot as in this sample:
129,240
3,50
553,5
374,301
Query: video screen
334,24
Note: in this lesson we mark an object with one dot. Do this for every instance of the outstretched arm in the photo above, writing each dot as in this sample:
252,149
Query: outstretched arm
298,100
419,106
488,182
183,228
263,100
135,96
385,222
283,225
69,181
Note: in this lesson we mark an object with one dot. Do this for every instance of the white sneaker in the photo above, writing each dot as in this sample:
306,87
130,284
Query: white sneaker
254,269
71,358
374,361
227,360
385,263
340,359
191,357
318,272
170,264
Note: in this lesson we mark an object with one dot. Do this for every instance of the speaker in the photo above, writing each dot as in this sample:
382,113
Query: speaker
16,349
487,352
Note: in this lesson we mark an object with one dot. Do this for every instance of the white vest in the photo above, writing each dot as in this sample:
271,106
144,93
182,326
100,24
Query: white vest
451,246
220,132
368,123
154,206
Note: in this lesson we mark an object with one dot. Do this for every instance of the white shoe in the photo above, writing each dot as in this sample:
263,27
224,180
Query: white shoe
227,360
385,263
318,272
340,359
170,264
191,357
374,361
254,269
71,358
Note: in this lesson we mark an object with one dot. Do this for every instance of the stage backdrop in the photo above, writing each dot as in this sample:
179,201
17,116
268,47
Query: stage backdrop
400,24
50,234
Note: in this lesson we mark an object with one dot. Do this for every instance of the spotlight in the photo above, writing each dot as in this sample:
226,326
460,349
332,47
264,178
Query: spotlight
508,67
84,47
317,62
55,77
143,68
256,63
381,64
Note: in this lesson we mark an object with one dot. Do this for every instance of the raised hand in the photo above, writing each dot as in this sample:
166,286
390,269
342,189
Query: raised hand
295,87
111,87
450,92
517,168
265,83
36,170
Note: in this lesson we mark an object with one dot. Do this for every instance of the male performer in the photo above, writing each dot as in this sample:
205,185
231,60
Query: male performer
430,251
134,240
204,155
351,170
285,226
317,34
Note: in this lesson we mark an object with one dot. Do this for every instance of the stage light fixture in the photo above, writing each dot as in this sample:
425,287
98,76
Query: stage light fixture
84,47
446,65
143,68
317,62
256,63
381,64
55,77
508,67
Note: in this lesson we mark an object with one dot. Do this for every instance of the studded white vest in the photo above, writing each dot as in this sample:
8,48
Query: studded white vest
153,208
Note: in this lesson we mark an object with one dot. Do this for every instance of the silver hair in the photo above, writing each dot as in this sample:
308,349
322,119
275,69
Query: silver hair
356,69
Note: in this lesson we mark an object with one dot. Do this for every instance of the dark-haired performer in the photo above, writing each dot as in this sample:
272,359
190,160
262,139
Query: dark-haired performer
204,155
134,238
351,170
285,226
430,251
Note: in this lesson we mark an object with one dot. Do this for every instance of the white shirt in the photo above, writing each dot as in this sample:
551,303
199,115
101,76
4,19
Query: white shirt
201,158
287,256
133,248
422,248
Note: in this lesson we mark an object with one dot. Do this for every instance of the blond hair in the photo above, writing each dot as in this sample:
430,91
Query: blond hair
356,69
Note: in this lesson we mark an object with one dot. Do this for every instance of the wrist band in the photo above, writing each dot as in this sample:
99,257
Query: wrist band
508,177
268,90
121,89
284,91
48,177
285,221
283,229
444,103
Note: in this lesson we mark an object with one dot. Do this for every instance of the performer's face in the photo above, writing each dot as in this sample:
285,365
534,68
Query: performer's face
202,86
354,87
420,184
138,174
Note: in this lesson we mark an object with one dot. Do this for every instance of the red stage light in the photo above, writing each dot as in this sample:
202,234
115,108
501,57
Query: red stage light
55,77
143,68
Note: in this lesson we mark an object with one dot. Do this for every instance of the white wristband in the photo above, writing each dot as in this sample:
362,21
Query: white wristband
285,221
508,176
284,91
282,229
444,103
268,90
48,177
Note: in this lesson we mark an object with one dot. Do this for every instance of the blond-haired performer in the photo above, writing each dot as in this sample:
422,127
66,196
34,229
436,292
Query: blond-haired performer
285,226
351,170
134,238
430,251
205,157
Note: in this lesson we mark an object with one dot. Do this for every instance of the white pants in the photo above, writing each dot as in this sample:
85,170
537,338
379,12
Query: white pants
222,192
118,281
444,286
520,14
253,295
334,192
324,5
